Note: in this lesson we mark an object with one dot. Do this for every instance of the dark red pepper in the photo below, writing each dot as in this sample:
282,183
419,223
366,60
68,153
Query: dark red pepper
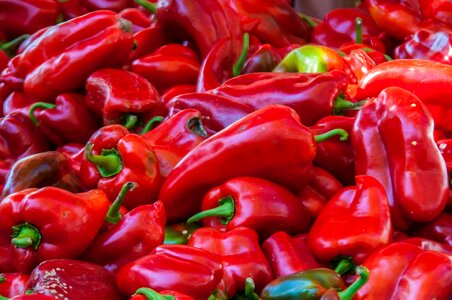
439,229
17,100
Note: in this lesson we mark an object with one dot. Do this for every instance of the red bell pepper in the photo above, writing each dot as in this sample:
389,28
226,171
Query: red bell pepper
36,229
287,254
27,16
12,284
17,101
360,62
264,59
313,96
57,121
11,76
72,8
354,223
137,17
150,294
425,44
32,297
114,5
427,244
122,97
439,229
445,147
49,168
148,40
176,91
119,158
320,188
401,19
73,279
19,137
334,155
203,22
430,81
393,141
238,151
130,236
254,203
395,273
240,253
168,66
64,56
218,111
189,270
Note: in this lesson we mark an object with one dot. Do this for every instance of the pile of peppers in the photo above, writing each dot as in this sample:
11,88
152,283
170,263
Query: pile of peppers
225,149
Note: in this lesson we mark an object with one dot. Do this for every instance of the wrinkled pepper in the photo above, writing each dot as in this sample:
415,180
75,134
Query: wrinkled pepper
239,251
393,142
122,97
254,203
34,229
13,284
198,271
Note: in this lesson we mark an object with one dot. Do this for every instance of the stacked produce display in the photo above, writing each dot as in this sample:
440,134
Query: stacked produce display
225,149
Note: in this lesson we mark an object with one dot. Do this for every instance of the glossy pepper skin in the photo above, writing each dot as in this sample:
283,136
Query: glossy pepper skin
313,96
288,254
354,223
66,121
439,229
49,168
428,80
122,97
320,188
198,271
394,274
121,157
445,147
63,57
148,40
27,16
239,251
238,151
168,66
202,22
396,130
334,155
17,100
36,229
400,19
12,284
73,279
425,44
218,111
313,284
254,203
16,146
315,59
132,236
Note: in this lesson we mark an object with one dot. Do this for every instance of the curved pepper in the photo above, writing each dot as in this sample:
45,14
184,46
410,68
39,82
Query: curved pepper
123,158
395,273
130,237
63,57
12,284
57,121
320,283
38,229
198,271
73,279
439,229
254,203
239,150
393,142
239,251
315,59
355,222
17,101
122,97
148,40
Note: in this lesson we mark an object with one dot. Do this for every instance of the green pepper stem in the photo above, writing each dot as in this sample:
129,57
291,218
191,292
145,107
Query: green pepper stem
195,126
154,122
178,234
130,120
359,30
108,164
26,235
151,7
43,105
3,298
2,278
345,264
9,47
153,295
113,215
308,20
225,210
238,66
325,136
250,286
348,293
340,104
